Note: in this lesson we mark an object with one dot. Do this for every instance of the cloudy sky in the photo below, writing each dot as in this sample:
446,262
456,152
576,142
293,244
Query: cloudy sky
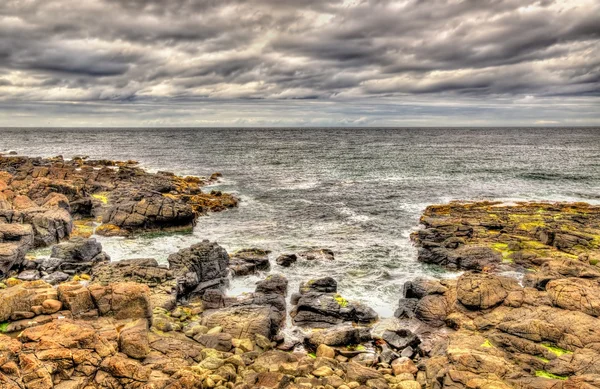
299,62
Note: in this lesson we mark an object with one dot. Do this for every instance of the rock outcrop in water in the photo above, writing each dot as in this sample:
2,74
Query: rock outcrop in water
496,331
45,192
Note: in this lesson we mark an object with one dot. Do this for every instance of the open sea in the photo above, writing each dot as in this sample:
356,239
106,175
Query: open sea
359,192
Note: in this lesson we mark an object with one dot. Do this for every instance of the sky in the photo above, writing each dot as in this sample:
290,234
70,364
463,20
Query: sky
286,63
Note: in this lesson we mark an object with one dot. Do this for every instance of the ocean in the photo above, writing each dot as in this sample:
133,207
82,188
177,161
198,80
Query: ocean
358,192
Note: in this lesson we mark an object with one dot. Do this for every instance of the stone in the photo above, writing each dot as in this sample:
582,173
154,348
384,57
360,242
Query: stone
249,261
198,268
274,283
286,260
133,339
575,294
76,298
325,351
335,336
219,341
24,296
317,254
404,365
122,300
480,290
242,321
400,339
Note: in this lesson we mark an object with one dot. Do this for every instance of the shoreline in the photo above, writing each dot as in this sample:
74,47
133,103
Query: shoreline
173,327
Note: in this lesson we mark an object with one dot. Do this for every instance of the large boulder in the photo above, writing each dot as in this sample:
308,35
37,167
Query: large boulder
122,300
249,261
318,306
242,321
575,294
78,255
15,241
149,211
198,268
146,271
480,290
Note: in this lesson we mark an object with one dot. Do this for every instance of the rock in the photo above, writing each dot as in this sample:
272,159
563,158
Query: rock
55,278
421,287
319,285
286,260
359,373
325,351
24,296
320,310
76,298
575,294
133,339
218,341
198,268
49,226
76,256
249,261
323,371
400,339
242,321
77,249
15,241
480,290
335,336
122,300
317,254
404,365
51,306
29,275
151,211
274,283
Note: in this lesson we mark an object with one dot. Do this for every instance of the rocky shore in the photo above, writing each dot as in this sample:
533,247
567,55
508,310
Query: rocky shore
522,312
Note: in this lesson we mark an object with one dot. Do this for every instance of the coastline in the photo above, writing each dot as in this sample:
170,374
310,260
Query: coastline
145,325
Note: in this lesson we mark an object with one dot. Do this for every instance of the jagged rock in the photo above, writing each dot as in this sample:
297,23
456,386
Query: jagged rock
76,256
320,285
15,241
286,260
152,211
146,271
275,283
317,255
321,309
249,261
198,268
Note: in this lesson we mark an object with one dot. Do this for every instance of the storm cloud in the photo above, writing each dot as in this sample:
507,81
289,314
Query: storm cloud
299,62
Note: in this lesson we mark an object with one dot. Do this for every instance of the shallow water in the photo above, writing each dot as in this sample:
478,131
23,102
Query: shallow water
359,192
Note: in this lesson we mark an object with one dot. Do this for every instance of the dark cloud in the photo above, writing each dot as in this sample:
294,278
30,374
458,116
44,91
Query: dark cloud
148,52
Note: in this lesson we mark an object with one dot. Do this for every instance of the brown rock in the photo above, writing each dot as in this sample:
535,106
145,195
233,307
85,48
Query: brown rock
133,339
480,290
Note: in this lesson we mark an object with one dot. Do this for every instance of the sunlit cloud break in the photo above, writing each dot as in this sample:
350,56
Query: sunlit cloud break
299,63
